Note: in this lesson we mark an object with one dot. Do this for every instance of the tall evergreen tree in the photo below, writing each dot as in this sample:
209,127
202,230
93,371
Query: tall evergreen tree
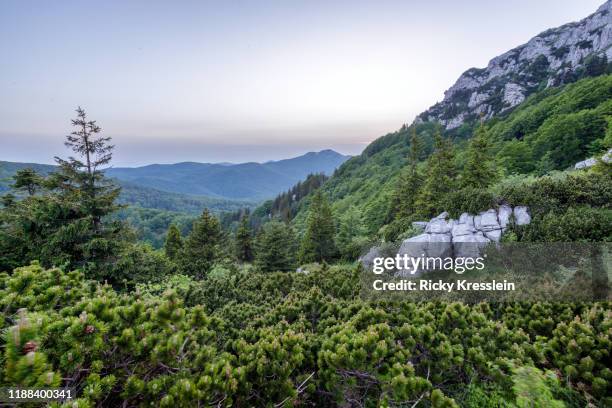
479,170
83,176
27,180
440,179
66,225
275,247
244,241
174,242
318,243
201,247
409,183
351,233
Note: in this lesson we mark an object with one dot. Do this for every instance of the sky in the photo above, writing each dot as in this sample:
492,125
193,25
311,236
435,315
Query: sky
235,81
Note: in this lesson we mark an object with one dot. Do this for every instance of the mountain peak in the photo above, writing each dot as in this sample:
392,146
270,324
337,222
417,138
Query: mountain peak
554,57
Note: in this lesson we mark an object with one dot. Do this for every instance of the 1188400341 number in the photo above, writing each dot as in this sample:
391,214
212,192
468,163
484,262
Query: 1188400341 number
18,394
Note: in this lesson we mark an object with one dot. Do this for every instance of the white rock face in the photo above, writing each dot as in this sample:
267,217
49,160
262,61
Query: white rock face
521,215
606,158
465,237
548,57
513,94
503,215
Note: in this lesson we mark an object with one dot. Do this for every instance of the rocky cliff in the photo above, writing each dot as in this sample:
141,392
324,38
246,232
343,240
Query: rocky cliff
554,57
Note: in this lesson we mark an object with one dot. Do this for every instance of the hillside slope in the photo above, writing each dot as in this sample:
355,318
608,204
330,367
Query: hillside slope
551,130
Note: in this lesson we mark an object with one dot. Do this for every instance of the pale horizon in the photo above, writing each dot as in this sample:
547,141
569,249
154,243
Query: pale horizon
241,82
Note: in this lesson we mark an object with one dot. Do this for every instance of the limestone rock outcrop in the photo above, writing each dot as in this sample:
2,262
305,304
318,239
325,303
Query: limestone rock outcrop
550,58
465,237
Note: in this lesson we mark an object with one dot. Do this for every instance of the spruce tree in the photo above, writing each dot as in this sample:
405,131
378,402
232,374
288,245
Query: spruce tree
174,242
27,180
440,178
318,243
275,247
67,225
201,247
351,233
82,178
479,170
410,181
244,244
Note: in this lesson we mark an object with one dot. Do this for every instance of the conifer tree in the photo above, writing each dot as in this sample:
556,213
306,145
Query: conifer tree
82,178
275,247
479,170
27,180
440,179
201,247
410,181
244,244
318,243
351,233
174,242
66,225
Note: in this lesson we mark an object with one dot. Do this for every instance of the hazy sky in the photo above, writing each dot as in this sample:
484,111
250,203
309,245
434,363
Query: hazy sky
242,80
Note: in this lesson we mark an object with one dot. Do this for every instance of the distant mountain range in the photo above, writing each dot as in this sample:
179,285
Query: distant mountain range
189,186
244,181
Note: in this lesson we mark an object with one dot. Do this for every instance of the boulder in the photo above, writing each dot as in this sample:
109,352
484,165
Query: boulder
367,260
427,245
439,226
487,221
469,246
503,215
462,238
466,218
462,229
521,215
494,235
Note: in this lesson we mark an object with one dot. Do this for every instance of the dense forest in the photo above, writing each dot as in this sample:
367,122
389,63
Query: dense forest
219,316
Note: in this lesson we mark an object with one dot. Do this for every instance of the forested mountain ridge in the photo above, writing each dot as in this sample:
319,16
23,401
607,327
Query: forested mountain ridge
135,195
557,56
250,181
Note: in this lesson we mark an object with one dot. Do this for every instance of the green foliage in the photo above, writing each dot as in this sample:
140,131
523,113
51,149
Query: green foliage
558,192
318,243
471,200
174,243
27,180
139,263
479,171
24,364
563,139
286,205
255,339
68,223
533,388
440,179
275,247
403,202
202,246
151,225
581,224
554,128
352,235
243,239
